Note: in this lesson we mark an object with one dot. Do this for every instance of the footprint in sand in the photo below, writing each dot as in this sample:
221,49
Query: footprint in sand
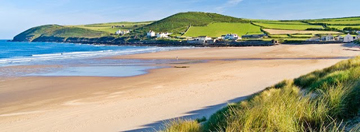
114,95
76,103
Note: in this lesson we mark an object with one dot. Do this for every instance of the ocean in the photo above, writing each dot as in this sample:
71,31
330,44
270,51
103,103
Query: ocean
76,59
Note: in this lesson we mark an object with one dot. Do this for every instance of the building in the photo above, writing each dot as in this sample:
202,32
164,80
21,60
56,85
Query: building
122,32
151,34
255,36
348,38
202,40
163,35
314,39
339,38
231,36
327,38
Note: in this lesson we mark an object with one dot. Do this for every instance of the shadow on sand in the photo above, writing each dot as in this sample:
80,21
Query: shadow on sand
192,115
209,110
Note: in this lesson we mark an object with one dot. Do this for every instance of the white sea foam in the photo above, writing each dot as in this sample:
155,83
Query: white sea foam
80,55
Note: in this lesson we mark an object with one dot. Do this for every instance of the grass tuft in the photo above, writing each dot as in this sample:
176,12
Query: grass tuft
317,102
182,126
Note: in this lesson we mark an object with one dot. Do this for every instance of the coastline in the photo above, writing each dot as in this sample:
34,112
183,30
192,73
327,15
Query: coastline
120,104
158,43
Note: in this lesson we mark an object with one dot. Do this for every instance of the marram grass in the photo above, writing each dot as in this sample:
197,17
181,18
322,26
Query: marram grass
182,126
322,101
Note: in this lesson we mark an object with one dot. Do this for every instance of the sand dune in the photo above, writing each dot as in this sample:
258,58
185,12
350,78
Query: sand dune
142,102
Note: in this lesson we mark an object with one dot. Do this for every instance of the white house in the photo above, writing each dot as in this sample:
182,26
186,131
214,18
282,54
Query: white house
122,32
314,39
339,38
163,35
231,36
328,38
348,38
202,40
151,34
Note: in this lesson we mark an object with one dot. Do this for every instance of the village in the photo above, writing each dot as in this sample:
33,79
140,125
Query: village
233,38
346,39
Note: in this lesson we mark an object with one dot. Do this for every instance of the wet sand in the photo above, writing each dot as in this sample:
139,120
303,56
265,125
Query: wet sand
140,102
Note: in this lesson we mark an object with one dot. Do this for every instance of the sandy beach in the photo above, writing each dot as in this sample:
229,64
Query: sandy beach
139,103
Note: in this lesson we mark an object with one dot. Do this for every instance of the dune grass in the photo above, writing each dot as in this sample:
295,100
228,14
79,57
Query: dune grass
324,100
182,126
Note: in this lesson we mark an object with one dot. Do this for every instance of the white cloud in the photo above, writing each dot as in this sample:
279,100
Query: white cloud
229,3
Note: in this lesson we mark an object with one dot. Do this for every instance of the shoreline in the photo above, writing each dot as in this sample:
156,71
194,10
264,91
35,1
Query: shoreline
158,43
142,102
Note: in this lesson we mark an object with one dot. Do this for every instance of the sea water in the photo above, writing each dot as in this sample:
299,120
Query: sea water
78,59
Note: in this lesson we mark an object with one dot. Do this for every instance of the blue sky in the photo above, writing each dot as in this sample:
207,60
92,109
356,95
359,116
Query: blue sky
19,15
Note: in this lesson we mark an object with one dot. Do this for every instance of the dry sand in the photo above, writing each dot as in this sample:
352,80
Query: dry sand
43,104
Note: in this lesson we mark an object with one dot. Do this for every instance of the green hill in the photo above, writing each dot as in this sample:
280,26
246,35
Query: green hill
57,31
180,22
81,31
189,24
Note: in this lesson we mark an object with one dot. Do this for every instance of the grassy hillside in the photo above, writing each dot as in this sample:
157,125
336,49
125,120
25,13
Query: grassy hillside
324,100
218,29
194,24
338,23
114,26
179,23
287,25
57,31
342,27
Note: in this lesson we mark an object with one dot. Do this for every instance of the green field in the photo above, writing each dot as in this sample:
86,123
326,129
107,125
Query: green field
279,36
280,22
218,29
287,25
342,27
301,35
357,22
338,21
113,27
